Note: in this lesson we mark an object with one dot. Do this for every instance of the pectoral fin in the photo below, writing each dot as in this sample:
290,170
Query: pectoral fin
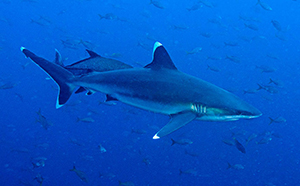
177,121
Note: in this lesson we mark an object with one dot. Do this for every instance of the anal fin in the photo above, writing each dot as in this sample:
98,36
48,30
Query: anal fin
177,121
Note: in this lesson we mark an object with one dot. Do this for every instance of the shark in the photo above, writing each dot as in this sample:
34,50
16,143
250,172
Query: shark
158,87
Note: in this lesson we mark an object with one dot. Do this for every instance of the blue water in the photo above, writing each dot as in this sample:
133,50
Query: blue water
136,158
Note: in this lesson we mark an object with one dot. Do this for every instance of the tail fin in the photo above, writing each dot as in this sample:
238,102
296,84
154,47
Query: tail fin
173,142
62,77
260,86
229,165
74,168
271,120
180,172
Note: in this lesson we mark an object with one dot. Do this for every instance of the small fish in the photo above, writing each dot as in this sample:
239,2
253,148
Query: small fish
144,46
195,7
70,43
87,44
193,154
264,140
215,58
216,21
213,68
232,44
229,142
30,1
8,85
235,166
279,119
275,82
42,146
85,120
207,3
239,146
251,26
157,4
276,25
270,89
146,161
20,150
138,131
115,55
265,68
39,178
80,174
246,18
108,16
250,138
280,36
267,97
189,172
107,175
180,27
75,141
194,51
264,5
127,183
181,142
233,58
205,34
272,56
250,91
102,149
25,65
38,162
40,22
45,19
43,120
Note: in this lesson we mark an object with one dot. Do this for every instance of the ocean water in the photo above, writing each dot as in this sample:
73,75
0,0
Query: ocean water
242,43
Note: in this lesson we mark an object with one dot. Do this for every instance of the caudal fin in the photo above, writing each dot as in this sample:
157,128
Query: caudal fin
60,75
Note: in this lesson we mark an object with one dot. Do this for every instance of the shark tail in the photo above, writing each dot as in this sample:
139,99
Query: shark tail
259,86
62,77
74,168
229,165
173,142
180,172
271,120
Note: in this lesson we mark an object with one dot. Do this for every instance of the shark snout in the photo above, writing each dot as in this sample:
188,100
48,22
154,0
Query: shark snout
250,112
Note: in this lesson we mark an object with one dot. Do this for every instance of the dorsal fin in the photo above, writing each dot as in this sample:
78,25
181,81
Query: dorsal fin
58,58
161,58
92,54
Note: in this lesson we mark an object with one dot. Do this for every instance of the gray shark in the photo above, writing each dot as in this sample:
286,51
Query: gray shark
158,87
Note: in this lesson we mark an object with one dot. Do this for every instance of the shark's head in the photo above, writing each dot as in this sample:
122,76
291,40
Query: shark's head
228,111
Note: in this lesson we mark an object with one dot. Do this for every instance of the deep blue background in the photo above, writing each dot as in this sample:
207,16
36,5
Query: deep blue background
275,163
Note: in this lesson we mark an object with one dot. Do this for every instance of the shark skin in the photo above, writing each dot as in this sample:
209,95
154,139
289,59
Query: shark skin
158,87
